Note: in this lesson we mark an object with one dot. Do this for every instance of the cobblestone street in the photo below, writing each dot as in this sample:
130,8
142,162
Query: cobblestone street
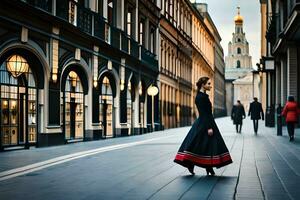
141,167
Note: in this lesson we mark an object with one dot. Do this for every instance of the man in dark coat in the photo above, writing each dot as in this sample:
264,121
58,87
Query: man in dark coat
237,115
256,113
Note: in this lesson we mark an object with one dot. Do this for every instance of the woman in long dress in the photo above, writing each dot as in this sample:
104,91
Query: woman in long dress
203,145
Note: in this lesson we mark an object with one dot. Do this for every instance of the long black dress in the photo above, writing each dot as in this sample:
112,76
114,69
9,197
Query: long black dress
198,148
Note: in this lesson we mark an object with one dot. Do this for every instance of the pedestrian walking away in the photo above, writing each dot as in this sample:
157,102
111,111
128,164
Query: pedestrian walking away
203,146
291,113
237,115
256,112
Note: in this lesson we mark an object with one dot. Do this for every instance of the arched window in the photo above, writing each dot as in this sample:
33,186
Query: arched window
18,102
106,108
239,50
239,40
238,64
72,111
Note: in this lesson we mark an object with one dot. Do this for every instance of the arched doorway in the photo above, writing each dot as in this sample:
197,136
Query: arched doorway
73,108
106,108
18,103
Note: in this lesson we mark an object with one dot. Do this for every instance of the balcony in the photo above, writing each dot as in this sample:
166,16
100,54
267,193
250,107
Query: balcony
101,28
125,42
148,57
115,37
271,33
95,25
41,4
134,48
81,17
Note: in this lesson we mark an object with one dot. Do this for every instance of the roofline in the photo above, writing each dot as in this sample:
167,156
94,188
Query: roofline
209,19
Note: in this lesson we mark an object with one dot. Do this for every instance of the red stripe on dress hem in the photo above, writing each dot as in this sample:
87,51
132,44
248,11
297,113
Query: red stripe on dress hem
203,157
205,161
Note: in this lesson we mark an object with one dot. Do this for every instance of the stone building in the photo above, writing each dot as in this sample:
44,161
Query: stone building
175,61
219,92
280,53
208,58
76,70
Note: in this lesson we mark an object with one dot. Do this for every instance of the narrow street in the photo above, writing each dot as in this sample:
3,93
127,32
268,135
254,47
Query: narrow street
141,167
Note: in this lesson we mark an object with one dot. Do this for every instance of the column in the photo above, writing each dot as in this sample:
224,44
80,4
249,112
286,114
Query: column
278,84
147,33
283,81
136,108
136,20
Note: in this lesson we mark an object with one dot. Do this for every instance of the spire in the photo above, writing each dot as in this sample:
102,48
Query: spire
238,19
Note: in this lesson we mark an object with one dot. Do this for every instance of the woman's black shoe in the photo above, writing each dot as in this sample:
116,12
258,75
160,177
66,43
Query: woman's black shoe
191,170
210,171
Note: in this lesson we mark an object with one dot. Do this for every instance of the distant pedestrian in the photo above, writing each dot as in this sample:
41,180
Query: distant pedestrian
291,113
237,115
203,146
256,113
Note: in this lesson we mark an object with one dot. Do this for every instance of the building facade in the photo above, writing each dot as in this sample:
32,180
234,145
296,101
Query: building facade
219,95
280,58
208,58
238,65
220,89
76,70
175,63
190,47
262,76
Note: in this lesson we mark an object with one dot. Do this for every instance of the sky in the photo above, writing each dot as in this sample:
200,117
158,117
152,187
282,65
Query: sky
223,12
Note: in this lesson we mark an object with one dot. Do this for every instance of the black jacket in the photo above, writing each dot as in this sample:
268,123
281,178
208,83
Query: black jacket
205,109
256,111
237,114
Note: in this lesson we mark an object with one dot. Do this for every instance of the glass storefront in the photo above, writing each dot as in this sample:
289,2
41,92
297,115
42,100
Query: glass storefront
18,100
106,108
73,108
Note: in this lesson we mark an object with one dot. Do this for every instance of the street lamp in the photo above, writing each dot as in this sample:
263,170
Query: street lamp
16,65
152,91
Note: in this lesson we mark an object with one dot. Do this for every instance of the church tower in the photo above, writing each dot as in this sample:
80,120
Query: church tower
238,68
238,61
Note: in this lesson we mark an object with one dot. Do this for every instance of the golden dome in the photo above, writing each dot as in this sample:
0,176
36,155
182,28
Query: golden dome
238,19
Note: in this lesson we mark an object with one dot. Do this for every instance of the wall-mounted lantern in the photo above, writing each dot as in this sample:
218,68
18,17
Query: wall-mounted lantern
16,65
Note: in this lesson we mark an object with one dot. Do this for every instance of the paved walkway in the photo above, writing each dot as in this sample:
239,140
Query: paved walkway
265,166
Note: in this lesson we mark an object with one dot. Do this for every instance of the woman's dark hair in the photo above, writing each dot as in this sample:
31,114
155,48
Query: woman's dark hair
202,81
291,98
